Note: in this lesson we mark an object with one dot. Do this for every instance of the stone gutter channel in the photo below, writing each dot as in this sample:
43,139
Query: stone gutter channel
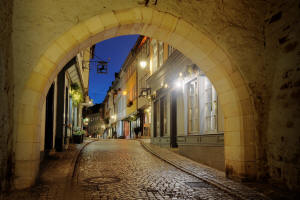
235,189
73,168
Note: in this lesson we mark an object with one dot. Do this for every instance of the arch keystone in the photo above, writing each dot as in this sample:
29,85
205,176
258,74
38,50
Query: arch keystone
94,25
129,16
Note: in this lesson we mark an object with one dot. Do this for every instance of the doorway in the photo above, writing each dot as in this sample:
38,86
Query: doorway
173,118
49,120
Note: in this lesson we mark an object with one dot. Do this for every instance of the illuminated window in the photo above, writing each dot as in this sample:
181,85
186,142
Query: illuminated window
160,53
193,114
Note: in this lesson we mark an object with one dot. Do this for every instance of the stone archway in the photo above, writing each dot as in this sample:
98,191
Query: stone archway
240,157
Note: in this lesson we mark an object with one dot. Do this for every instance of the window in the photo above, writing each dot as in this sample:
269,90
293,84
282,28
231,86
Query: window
193,98
155,56
156,119
170,50
160,53
210,107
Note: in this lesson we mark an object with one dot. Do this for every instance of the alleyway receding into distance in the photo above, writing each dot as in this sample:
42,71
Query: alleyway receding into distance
122,169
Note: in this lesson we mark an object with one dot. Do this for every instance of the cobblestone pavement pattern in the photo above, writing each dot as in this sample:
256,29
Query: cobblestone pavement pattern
122,169
205,173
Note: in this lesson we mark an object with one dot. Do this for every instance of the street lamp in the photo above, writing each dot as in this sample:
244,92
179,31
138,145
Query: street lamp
143,64
179,83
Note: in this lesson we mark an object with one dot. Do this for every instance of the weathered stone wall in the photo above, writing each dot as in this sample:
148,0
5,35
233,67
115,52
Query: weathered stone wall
6,94
282,55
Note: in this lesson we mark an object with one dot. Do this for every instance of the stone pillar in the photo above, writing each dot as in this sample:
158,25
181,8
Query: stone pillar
60,111
59,137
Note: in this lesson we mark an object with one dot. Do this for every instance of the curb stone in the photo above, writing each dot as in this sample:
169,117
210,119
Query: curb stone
229,190
73,167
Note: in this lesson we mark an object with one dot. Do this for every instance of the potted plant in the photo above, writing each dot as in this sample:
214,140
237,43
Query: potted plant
78,136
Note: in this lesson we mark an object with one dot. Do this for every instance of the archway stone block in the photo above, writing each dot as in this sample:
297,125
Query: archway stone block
36,82
227,97
218,55
44,67
80,32
146,15
26,172
198,39
232,123
54,53
109,20
161,34
231,109
207,45
28,133
129,16
67,41
169,22
195,53
216,74
232,138
237,79
242,92
30,97
94,25
183,28
157,18
248,123
223,85
28,115
149,30
233,152
27,151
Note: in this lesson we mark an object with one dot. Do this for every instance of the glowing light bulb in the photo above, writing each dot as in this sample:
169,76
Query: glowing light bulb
143,64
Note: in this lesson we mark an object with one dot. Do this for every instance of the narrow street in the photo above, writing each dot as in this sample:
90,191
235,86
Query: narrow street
122,169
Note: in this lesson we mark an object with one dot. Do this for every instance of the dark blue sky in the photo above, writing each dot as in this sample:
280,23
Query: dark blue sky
117,50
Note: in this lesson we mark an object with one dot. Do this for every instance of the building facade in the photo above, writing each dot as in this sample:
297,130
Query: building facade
94,121
161,94
62,110
186,111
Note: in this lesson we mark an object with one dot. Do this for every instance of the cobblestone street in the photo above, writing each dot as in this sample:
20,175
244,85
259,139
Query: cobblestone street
122,169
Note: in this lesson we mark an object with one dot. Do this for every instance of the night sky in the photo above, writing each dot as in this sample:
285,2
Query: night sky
117,50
